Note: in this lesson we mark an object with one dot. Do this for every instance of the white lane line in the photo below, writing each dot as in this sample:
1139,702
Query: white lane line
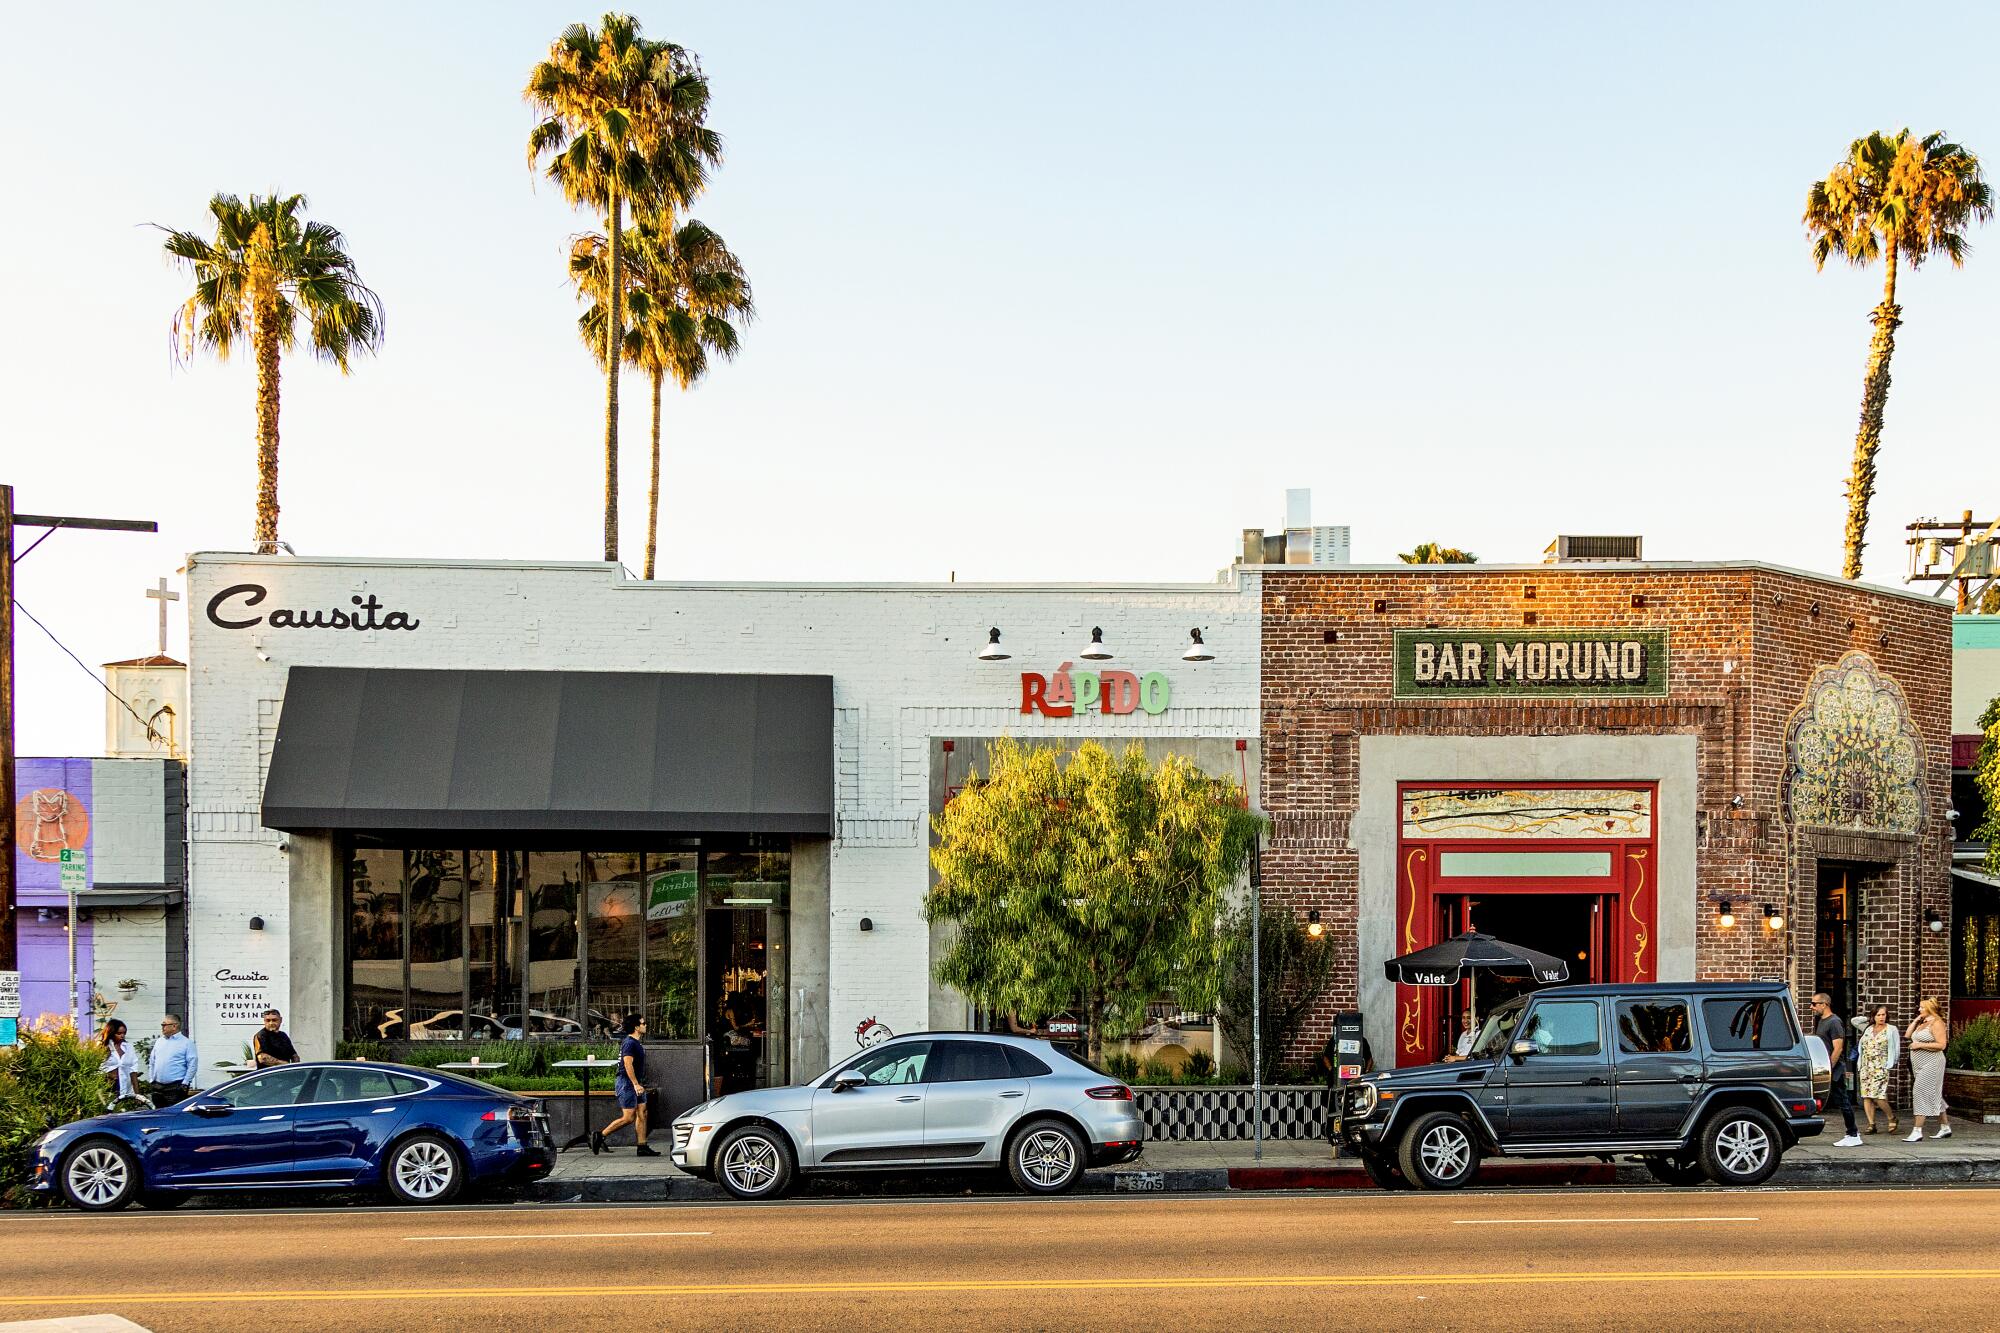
1568,1221
562,1235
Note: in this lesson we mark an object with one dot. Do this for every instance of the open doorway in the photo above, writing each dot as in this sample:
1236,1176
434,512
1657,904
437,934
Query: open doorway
1569,926
1838,945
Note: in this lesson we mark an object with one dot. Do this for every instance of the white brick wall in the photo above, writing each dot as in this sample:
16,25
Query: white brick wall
902,658
131,942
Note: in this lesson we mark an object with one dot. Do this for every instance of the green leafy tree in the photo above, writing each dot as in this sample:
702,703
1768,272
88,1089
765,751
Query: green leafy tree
1094,884
265,269
1430,553
1293,973
622,122
53,1076
685,295
1894,196
1986,776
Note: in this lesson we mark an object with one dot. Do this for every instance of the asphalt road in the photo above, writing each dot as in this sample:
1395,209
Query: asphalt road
1697,1258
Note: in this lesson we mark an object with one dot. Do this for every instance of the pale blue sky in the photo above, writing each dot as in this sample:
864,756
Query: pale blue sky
1047,291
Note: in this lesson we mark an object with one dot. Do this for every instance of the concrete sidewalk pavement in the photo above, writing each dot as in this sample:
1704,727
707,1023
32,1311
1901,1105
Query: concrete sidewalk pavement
1971,1154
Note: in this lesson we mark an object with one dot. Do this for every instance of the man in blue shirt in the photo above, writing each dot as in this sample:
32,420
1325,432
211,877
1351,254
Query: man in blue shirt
631,1088
171,1070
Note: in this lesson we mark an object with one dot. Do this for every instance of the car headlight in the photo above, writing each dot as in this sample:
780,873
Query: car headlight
1361,1099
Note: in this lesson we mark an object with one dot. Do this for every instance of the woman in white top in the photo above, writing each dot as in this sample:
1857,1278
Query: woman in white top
121,1059
1927,1037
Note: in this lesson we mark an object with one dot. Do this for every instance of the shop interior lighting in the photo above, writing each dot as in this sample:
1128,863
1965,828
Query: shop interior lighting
1197,651
1932,921
1313,926
1773,918
993,652
1096,652
1727,916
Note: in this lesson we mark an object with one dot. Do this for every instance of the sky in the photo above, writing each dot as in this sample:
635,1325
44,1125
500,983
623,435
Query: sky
1045,292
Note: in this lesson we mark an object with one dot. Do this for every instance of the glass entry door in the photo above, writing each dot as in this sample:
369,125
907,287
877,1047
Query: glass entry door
745,968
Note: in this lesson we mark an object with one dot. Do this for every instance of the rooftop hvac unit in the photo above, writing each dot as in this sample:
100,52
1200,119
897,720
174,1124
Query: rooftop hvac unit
1565,549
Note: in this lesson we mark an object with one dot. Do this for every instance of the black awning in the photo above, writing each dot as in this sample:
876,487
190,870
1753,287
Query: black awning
552,751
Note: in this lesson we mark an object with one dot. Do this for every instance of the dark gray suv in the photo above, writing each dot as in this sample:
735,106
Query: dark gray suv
1699,1079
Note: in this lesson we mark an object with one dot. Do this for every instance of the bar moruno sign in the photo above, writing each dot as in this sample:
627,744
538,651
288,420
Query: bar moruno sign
1510,663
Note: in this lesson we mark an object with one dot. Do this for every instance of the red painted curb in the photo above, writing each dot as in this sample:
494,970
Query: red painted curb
1354,1178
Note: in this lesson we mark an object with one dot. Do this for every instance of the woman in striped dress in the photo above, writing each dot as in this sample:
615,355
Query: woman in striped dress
1927,1036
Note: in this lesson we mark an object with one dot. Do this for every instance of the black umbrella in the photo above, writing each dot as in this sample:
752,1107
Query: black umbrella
1471,952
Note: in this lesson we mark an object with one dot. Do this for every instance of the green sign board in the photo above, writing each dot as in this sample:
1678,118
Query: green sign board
1531,663
670,893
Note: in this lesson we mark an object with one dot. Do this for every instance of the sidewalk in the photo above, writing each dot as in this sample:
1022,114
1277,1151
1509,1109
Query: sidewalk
1971,1154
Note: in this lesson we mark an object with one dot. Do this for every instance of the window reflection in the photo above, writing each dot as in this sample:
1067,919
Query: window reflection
614,889
554,977
493,941
437,945
672,897
375,943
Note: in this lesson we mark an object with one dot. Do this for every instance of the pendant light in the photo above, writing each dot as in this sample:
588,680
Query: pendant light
993,652
1096,652
1197,651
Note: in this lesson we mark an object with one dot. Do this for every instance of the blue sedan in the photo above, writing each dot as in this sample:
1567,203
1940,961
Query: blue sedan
421,1133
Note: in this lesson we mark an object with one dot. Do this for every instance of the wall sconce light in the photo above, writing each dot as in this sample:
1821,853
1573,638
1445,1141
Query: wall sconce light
1883,641
867,923
1381,605
1813,610
1528,592
1773,918
1726,918
993,652
1529,617
1638,601
256,923
1096,652
1197,651
1313,926
1933,922
1736,801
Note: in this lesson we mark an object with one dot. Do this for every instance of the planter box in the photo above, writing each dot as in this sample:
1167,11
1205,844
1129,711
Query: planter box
1224,1113
1974,1095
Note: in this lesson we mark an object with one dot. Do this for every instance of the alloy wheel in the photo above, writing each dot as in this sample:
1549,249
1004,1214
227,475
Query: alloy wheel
1446,1152
1048,1157
425,1169
751,1163
1743,1147
98,1175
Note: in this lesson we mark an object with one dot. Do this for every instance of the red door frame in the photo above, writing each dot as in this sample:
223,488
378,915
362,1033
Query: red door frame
1627,891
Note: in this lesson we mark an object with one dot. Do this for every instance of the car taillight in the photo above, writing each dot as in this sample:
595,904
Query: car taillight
518,1115
1110,1092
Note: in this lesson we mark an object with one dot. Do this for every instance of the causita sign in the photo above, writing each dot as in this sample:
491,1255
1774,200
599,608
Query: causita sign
1067,692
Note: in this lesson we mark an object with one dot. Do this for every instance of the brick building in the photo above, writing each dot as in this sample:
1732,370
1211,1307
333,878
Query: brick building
1657,771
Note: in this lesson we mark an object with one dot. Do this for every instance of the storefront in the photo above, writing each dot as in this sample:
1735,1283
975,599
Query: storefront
485,801
1654,771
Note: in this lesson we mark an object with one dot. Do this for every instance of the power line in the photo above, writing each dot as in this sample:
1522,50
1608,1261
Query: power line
151,734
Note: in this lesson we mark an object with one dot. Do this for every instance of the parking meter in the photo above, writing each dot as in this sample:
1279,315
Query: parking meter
1350,1062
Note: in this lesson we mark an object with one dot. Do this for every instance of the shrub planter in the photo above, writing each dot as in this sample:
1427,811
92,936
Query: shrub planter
1223,1112
1974,1095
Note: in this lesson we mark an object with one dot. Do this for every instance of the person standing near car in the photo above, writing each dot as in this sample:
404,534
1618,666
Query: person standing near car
1829,1028
121,1060
630,1085
270,1046
172,1067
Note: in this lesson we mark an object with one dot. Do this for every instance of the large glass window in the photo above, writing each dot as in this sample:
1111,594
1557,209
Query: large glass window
492,941
555,972
437,945
375,943
1975,955
614,897
673,900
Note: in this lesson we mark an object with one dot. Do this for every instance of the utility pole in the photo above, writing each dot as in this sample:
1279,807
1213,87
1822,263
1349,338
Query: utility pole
9,520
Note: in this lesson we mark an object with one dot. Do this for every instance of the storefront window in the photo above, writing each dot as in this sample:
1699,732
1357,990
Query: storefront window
375,943
437,945
614,889
1975,964
673,898
492,941
555,974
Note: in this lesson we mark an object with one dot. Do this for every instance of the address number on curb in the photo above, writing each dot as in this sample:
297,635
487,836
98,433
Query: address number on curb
1139,1181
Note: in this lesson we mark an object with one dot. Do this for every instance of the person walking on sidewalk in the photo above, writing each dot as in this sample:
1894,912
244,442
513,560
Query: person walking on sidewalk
1829,1028
630,1085
1880,1049
1927,1037
171,1070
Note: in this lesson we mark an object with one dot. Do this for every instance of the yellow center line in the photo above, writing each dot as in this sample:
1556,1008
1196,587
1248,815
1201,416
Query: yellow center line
112,1299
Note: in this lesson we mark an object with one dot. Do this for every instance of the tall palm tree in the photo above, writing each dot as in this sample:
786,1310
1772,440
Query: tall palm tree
1430,553
622,121
1893,195
686,293
265,268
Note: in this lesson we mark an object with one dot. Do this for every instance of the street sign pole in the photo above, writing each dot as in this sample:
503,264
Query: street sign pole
1257,1000
75,869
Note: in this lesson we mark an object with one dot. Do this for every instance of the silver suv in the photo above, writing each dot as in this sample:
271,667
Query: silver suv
923,1101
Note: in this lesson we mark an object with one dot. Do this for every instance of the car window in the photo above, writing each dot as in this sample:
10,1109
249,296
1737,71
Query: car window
1654,1027
968,1062
1498,1032
352,1085
1024,1065
1564,1027
1748,1025
902,1063
280,1087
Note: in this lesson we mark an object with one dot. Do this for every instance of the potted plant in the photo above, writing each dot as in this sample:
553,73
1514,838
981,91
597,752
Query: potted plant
129,987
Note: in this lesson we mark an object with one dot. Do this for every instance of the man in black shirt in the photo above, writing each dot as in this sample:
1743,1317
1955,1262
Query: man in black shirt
1829,1029
271,1046
630,1085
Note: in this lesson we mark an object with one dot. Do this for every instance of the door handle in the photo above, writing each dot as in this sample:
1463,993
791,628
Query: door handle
1013,1094
1594,1081
909,1099
1690,1078
263,1118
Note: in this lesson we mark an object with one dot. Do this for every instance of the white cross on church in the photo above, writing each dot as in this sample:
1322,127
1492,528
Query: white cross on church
161,595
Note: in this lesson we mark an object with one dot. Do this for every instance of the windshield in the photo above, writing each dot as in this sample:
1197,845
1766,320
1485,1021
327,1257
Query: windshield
1499,1028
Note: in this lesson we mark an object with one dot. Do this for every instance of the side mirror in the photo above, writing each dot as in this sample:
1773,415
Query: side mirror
848,1082
210,1109
1523,1049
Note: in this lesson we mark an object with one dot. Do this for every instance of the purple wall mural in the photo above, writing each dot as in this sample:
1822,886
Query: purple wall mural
52,811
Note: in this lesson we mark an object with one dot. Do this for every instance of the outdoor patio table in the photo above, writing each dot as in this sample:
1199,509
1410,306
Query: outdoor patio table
583,1067
476,1066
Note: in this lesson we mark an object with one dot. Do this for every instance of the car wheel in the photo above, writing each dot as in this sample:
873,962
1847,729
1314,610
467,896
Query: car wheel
1673,1170
754,1162
1045,1157
1383,1172
100,1176
1740,1146
425,1169
1438,1152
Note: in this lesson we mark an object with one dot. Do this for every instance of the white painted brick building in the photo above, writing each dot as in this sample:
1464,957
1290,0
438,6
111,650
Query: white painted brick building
905,678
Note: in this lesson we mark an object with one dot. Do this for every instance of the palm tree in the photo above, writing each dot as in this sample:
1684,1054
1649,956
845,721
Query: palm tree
1893,195
1430,553
622,121
684,287
267,266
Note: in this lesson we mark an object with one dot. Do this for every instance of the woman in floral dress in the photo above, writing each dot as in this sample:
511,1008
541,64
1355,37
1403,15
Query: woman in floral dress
1879,1053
